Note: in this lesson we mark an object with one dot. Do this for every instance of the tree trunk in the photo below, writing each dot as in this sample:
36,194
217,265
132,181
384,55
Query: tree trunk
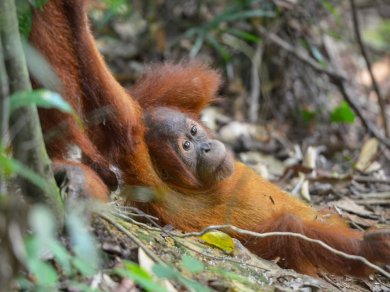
28,145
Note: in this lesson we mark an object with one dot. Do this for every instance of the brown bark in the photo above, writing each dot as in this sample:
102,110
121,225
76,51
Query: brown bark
27,142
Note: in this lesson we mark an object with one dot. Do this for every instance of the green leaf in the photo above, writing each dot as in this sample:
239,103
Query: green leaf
197,45
24,284
249,37
138,275
318,55
24,12
62,256
9,165
164,271
136,269
191,264
308,115
330,7
25,22
248,14
44,273
33,247
239,278
343,114
193,285
78,286
38,3
220,49
83,267
115,7
378,36
192,32
219,239
40,97
83,244
231,14
42,222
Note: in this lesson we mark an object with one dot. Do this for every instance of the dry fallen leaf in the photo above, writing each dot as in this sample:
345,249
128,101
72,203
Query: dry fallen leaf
369,150
310,157
231,132
256,160
305,194
360,221
350,206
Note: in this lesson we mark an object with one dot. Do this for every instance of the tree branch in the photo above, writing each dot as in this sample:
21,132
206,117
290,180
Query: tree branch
254,234
118,226
338,79
363,50
292,234
300,55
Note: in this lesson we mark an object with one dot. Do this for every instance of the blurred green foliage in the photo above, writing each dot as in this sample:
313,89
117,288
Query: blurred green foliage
43,248
24,11
170,273
191,264
141,277
114,7
379,36
343,114
228,22
41,98
308,116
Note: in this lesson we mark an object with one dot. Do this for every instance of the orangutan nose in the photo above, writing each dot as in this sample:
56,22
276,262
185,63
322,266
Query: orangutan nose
205,147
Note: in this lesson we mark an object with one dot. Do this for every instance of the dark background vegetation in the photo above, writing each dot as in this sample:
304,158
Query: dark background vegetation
296,100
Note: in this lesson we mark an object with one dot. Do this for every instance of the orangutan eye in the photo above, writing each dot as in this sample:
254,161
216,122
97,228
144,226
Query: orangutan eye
186,145
194,130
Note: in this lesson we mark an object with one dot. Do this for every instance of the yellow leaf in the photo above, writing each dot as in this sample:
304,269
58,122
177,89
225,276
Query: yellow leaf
219,239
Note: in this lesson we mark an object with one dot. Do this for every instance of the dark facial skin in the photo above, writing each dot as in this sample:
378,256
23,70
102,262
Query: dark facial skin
206,158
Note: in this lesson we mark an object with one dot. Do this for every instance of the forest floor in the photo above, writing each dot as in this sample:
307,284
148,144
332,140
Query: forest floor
331,165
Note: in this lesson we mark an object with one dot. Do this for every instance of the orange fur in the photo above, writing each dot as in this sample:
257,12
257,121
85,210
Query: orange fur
79,181
113,133
249,202
189,86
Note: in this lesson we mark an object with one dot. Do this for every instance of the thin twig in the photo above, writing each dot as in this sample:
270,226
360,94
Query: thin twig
219,258
342,86
175,237
132,221
137,211
132,214
337,78
300,55
292,234
367,124
363,50
264,235
371,180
